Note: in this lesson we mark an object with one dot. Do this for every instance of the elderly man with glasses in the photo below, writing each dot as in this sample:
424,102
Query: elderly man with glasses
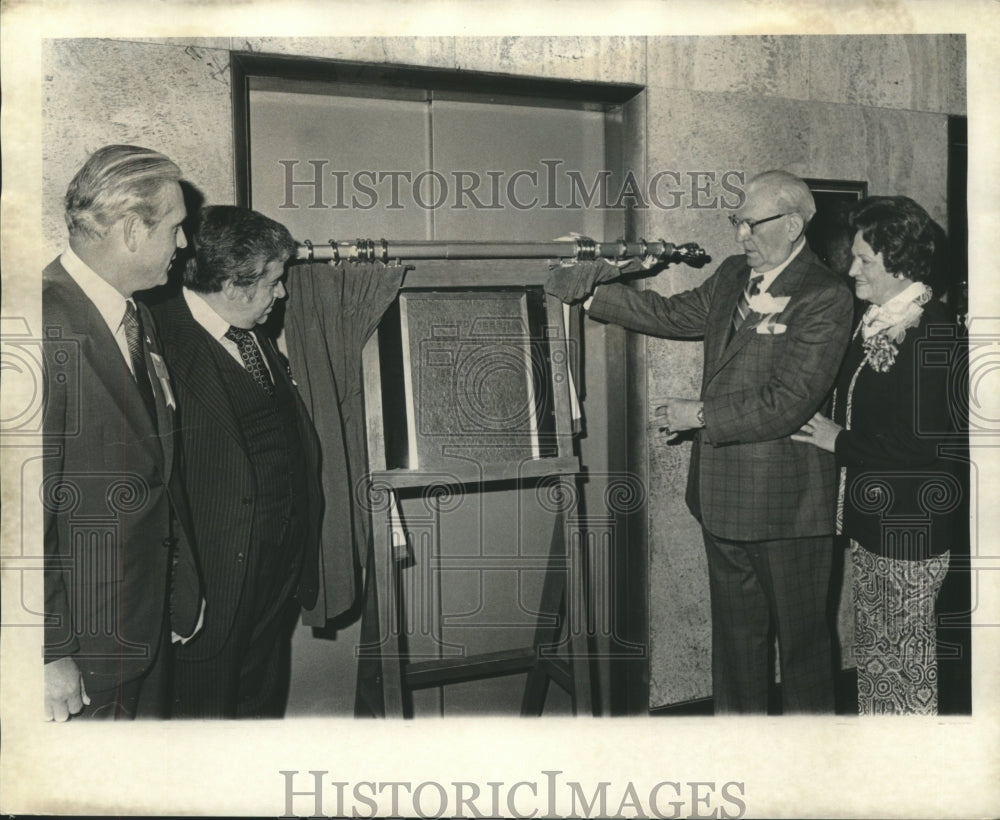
775,324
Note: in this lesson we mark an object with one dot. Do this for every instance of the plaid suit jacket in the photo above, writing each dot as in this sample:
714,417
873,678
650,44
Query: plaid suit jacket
748,480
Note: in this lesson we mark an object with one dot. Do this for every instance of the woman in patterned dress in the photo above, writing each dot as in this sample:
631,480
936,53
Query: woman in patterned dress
897,495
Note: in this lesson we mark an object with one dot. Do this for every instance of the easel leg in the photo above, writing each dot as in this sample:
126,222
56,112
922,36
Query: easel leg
391,647
565,564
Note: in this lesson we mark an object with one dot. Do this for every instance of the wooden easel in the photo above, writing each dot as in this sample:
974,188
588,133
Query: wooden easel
558,651
563,596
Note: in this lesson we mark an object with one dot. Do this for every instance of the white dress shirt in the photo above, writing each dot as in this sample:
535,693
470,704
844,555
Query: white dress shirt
204,314
105,297
773,274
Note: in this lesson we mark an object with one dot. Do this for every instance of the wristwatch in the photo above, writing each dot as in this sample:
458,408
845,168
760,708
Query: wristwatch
701,415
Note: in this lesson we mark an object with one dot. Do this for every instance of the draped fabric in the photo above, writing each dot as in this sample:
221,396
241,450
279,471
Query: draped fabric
332,311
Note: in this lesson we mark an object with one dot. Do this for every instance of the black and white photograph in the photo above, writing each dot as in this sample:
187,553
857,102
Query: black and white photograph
551,410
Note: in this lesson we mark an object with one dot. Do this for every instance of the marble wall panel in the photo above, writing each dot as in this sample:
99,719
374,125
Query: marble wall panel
919,72
941,78
908,154
606,59
772,66
435,52
602,59
679,622
224,43
896,152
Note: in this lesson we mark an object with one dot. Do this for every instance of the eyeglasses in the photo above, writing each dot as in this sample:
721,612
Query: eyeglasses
751,223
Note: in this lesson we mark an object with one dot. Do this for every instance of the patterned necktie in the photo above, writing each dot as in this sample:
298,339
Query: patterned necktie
743,305
253,360
132,323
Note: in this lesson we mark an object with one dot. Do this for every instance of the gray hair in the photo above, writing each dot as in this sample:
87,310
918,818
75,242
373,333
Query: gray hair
114,181
792,195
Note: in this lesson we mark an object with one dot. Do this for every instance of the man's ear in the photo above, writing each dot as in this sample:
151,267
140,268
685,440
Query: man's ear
235,293
133,229
796,226
230,290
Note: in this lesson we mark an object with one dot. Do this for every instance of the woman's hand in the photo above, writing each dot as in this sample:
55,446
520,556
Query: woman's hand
820,431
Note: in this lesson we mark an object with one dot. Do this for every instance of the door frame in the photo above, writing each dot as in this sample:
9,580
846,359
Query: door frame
624,684
384,80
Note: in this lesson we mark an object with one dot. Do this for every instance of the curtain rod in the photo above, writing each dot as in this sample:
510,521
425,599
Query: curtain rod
577,248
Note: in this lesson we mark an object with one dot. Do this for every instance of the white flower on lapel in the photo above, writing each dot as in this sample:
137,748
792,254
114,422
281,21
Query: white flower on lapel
765,303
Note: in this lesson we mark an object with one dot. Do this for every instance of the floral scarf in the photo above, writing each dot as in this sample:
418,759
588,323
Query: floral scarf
884,326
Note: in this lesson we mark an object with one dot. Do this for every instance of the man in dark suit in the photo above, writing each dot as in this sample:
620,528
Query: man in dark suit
250,466
117,552
775,324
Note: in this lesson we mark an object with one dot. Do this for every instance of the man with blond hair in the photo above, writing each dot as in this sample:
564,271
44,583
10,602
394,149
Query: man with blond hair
120,575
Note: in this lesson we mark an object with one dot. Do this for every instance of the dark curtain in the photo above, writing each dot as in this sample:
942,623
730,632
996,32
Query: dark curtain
331,313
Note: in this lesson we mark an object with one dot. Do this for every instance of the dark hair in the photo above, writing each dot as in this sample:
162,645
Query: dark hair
232,243
114,181
903,232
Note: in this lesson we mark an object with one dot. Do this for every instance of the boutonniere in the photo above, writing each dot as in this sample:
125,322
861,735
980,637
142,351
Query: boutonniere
765,304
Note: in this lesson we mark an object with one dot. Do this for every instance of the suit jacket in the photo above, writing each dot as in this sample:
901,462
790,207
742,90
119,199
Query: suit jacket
900,495
748,480
117,527
219,473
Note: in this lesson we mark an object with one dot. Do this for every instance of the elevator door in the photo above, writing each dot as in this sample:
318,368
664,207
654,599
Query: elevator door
407,164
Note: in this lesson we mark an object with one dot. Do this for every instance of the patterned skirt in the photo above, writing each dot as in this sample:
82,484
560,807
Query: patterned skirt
895,643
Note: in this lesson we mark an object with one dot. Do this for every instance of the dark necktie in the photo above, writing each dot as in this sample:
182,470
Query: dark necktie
133,336
253,361
743,305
